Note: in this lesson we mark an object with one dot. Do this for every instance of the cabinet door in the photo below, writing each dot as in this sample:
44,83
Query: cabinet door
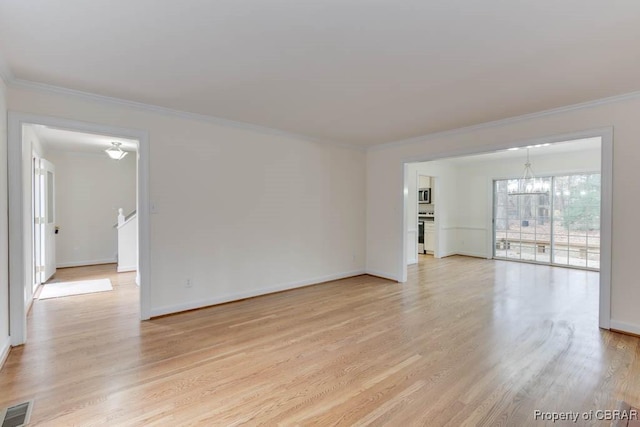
429,241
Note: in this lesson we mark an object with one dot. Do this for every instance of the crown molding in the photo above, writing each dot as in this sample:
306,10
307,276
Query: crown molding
5,72
508,121
10,80
140,106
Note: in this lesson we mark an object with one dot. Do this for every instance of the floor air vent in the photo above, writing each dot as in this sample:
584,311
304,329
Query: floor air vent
17,415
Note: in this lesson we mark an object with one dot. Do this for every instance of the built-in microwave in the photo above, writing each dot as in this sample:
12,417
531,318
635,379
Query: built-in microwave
424,195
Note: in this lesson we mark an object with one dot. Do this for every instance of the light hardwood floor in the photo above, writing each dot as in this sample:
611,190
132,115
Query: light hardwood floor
465,342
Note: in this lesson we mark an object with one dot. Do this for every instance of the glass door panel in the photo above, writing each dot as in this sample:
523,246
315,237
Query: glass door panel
521,222
576,220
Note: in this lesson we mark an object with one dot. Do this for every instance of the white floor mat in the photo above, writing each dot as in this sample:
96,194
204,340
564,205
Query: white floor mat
64,289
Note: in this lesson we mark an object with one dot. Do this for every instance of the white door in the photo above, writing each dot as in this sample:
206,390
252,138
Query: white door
38,223
49,232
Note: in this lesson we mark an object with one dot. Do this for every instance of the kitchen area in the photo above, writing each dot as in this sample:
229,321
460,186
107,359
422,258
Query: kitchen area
426,215
430,229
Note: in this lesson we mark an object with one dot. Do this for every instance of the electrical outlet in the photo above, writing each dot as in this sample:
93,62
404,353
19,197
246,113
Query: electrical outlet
189,283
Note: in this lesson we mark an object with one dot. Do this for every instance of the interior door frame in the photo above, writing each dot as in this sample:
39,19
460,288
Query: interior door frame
20,210
606,170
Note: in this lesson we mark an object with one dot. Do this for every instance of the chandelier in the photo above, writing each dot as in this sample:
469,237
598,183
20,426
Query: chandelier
529,184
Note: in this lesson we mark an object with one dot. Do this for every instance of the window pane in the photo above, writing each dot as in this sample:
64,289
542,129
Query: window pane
543,255
528,252
578,258
543,238
514,250
513,237
594,241
560,256
501,223
593,263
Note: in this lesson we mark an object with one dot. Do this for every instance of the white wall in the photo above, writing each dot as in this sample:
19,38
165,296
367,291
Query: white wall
31,137
239,211
90,187
4,230
384,174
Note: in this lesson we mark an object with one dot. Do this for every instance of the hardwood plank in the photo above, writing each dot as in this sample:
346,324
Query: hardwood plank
464,342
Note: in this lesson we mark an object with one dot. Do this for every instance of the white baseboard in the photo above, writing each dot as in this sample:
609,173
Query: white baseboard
161,311
412,261
446,254
127,268
381,274
29,304
86,262
33,297
625,327
464,253
472,254
5,347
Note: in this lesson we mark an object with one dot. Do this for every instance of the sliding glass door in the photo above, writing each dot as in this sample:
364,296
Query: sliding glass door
577,220
560,225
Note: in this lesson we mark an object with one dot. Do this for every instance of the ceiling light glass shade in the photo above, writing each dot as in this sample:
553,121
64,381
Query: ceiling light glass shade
115,152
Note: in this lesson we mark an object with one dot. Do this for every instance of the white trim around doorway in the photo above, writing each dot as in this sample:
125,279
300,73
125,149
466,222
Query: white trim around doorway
606,202
17,257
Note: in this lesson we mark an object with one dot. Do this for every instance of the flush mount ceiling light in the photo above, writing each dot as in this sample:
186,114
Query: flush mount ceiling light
115,152
529,184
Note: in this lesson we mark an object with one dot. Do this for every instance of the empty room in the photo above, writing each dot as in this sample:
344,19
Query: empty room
319,213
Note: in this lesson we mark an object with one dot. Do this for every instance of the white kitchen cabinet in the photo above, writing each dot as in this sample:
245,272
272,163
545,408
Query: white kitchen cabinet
429,238
429,241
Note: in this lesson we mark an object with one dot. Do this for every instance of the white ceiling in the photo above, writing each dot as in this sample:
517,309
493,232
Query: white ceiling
66,140
352,71
573,146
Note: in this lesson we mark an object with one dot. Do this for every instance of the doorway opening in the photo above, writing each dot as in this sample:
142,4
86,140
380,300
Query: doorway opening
48,155
78,193
475,206
426,216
